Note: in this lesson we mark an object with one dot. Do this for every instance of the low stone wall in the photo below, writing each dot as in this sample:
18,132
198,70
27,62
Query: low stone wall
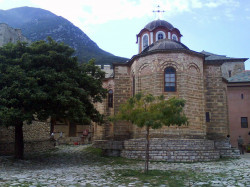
173,156
38,130
36,138
171,150
183,150
169,144
7,148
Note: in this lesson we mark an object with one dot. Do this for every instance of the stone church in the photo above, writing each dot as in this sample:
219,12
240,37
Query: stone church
166,66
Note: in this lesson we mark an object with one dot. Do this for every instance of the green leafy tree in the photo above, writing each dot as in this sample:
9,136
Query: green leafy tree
43,80
152,112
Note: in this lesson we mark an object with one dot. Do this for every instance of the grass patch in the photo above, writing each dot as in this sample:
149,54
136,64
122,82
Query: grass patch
93,150
160,178
152,178
96,154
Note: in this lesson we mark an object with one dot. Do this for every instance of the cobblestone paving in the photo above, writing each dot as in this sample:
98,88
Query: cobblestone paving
73,166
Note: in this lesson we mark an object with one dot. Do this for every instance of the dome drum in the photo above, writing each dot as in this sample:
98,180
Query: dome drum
157,30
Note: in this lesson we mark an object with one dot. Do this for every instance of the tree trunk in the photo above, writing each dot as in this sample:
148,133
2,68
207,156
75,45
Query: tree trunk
52,125
19,144
147,151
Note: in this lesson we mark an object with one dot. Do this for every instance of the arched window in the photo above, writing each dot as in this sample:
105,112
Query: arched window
110,99
160,35
174,37
170,80
144,41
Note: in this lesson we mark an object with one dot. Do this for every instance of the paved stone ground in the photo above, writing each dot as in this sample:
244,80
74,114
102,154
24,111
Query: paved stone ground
75,166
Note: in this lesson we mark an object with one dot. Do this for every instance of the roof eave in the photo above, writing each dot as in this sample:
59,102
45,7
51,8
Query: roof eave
243,82
228,60
188,51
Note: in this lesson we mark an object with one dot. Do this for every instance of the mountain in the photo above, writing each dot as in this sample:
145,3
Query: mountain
38,24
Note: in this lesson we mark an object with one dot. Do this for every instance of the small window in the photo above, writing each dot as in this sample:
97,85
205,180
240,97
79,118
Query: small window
170,79
110,99
229,73
174,37
242,96
160,36
244,122
207,117
145,42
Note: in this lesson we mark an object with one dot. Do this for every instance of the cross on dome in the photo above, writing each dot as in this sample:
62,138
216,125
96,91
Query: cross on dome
158,12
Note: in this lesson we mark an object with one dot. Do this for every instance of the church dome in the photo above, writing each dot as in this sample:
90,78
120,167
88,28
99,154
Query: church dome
165,44
158,23
157,30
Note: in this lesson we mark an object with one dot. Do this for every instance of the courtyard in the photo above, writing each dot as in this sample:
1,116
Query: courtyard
83,165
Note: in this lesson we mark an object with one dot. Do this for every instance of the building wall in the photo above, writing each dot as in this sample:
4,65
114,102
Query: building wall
36,138
105,131
238,107
63,130
200,85
8,34
107,69
216,102
149,78
122,91
121,86
234,67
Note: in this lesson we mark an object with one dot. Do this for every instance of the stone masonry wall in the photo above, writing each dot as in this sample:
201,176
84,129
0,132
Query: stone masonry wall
122,91
149,78
172,150
234,67
36,138
216,103
105,131
8,34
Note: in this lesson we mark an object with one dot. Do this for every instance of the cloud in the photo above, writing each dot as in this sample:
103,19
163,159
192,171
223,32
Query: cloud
97,11
217,3
174,7
92,12
196,4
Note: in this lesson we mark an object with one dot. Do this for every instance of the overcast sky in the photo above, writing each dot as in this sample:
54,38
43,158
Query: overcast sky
217,26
